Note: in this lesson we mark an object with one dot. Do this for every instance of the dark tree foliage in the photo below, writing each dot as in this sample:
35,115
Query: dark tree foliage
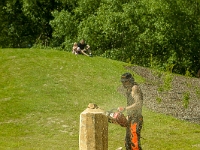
162,34
16,28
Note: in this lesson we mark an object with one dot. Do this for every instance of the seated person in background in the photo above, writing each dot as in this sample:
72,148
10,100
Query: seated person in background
84,48
74,49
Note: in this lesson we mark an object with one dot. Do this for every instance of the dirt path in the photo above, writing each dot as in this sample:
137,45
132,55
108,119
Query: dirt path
172,101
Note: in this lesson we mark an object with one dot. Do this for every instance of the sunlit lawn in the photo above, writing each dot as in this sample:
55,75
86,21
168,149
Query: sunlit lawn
43,92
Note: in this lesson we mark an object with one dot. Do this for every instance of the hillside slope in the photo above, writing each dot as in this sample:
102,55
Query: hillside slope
181,100
43,92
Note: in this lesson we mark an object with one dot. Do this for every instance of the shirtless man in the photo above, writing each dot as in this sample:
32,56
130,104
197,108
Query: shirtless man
134,111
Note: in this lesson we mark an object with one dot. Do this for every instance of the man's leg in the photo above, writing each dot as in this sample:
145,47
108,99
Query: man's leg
83,52
133,135
128,137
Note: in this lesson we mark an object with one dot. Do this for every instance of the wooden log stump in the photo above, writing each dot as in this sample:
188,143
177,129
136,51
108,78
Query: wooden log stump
93,132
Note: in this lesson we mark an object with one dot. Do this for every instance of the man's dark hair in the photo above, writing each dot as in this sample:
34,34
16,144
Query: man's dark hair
127,77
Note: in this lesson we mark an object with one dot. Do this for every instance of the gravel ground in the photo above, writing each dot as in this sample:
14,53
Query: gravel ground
171,101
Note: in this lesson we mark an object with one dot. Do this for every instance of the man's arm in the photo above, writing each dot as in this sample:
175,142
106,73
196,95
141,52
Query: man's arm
87,46
138,97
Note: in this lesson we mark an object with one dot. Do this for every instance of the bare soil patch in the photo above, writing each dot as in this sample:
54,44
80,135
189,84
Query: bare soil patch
182,100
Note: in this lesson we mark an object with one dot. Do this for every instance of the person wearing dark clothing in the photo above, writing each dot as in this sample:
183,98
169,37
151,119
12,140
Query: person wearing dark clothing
83,48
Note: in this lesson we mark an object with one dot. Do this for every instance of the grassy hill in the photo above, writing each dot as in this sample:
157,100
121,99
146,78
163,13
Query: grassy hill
43,92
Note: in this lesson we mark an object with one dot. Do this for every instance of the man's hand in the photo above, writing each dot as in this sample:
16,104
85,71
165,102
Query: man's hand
121,109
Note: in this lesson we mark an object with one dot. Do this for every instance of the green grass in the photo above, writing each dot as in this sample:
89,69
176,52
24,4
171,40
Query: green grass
43,92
